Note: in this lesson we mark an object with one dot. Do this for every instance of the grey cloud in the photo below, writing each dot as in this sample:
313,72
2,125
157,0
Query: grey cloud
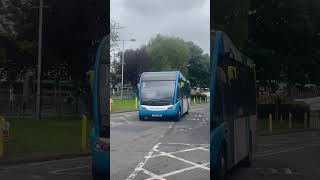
164,7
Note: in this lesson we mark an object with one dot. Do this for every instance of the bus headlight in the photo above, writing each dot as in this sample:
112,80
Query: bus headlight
143,107
171,107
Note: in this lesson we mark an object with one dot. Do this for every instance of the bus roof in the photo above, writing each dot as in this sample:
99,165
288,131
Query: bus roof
162,75
158,76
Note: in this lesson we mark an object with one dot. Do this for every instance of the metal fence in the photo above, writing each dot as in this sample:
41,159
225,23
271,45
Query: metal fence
53,103
315,119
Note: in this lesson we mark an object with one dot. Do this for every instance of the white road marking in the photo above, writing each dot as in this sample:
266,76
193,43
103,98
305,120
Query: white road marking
60,171
278,152
141,164
185,150
171,125
179,171
198,109
78,160
125,120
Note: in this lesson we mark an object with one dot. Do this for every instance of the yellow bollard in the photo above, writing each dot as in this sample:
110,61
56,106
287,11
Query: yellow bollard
84,133
305,120
290,120
111,101
194,100
270,122
136,103
2,122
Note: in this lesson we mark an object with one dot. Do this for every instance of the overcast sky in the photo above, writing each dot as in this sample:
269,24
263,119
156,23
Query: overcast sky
187,19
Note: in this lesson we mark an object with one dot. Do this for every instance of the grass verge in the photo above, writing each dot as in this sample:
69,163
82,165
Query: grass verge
33,138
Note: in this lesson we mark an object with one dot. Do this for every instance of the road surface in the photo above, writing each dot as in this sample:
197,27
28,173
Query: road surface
66,169
161,149
284,157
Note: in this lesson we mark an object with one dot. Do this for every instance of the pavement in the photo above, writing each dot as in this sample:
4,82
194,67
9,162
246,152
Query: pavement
160,149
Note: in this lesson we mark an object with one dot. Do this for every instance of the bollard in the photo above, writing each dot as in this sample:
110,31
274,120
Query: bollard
281,118
2,121
270,122
290,121
200,100
136,102
194,100
305,120
111,101
84,133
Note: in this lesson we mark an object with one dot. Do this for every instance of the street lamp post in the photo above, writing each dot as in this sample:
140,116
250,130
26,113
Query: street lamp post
39,60
122,65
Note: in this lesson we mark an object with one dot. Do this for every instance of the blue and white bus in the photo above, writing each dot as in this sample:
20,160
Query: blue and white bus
100,137
233,106
163,95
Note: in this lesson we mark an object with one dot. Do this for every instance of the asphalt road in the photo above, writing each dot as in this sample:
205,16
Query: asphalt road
159,149
67,169
179,151
282,157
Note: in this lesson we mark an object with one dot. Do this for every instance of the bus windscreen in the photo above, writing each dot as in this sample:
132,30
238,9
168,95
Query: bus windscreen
157,92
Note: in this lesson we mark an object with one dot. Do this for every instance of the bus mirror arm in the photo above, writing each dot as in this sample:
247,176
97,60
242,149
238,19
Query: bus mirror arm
228,55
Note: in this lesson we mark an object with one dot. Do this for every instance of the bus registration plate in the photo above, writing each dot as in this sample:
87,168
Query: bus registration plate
156,115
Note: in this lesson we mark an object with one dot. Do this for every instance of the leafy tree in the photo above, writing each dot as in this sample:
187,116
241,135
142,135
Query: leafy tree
283,37
135,62
168,53
199,67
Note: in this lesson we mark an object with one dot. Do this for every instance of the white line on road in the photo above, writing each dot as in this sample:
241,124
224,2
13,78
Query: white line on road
141,164
171,125
278,152
59,171
125,120
178,171
198,109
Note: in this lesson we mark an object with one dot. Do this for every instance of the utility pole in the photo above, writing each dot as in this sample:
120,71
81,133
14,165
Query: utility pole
39,60
122,64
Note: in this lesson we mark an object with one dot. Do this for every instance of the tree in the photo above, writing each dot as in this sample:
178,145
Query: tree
283,37
168,53
199,67
135,63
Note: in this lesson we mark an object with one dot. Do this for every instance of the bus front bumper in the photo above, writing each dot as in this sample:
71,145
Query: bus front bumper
100,163
144,114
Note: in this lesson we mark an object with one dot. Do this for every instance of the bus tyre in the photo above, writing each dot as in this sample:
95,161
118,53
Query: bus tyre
221,171
247,161
179,115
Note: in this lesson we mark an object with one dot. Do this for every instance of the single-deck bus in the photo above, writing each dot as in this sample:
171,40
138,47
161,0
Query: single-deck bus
163,95
100,137
232,108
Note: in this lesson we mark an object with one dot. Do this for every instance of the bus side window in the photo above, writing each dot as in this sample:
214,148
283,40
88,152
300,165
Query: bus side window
219,95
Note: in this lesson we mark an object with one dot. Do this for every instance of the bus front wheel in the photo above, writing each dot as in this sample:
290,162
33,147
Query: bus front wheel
178,115
221,170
